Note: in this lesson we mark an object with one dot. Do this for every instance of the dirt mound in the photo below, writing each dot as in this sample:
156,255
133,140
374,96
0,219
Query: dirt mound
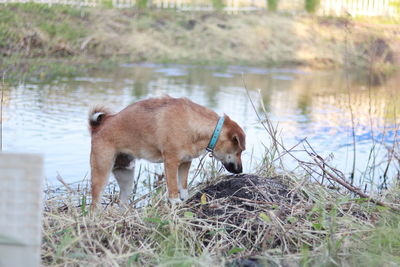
244,191
246,208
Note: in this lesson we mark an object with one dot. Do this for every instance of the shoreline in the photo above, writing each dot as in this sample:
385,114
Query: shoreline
42,41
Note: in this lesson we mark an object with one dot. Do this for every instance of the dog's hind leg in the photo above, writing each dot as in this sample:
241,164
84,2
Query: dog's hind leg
123,171
183,172
124,178
101,162
171,172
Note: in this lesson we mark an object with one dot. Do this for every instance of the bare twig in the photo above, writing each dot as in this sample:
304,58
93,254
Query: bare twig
61,180
1,111
320,163
347,71
331,173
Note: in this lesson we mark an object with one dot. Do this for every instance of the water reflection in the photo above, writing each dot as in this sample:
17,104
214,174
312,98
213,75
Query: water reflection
51,118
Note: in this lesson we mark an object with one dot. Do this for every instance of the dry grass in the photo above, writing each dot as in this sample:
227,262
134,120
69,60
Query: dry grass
250,39
266,39
228,219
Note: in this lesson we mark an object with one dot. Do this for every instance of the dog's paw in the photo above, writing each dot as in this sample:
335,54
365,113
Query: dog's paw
175,201
183,194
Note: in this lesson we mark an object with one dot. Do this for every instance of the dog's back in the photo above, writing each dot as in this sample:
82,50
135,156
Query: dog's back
152,115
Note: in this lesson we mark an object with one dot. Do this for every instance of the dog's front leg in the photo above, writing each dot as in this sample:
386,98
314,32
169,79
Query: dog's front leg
171,173
183,173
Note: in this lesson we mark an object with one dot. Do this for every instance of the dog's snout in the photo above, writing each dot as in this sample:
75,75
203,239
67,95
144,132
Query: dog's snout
233,168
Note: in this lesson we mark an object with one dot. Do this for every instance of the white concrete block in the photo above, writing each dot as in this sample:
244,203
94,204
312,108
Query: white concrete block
21,189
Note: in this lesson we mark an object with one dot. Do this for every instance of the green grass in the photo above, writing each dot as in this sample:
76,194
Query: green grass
327,228
62,30
44,70
311,6
380,246
7,22
218,4
47,11
160,235
272,5
60,22
36,31
375,246
142,4
107,4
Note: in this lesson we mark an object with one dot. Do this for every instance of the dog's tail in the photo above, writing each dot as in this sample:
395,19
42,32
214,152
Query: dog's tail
96,118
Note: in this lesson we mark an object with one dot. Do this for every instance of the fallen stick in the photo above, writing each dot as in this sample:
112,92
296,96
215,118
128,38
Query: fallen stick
313,156
353,188
60,179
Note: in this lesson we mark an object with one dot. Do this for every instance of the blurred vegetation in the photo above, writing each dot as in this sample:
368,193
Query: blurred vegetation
54,21
107,4
381,246
142,3
218,4
74,36
272,5
311,6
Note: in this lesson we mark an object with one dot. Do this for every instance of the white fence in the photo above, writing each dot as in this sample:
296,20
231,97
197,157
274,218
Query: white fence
326,7
360,7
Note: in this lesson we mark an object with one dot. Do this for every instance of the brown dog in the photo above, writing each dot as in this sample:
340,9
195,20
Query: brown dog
169,130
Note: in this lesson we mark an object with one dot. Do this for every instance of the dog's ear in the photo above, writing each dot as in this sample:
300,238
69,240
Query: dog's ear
239,140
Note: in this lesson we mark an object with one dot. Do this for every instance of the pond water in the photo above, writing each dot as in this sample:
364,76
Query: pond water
51,118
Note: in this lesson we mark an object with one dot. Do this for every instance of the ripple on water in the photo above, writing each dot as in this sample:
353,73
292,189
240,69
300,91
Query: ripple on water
51,118
92,79
172,72
222,75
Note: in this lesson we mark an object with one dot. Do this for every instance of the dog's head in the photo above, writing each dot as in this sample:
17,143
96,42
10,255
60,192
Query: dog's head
231,143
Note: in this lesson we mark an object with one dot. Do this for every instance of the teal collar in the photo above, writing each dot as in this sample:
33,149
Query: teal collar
214,138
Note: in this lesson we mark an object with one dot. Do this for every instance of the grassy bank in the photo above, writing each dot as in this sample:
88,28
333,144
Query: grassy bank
311,217
282,221
32,34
